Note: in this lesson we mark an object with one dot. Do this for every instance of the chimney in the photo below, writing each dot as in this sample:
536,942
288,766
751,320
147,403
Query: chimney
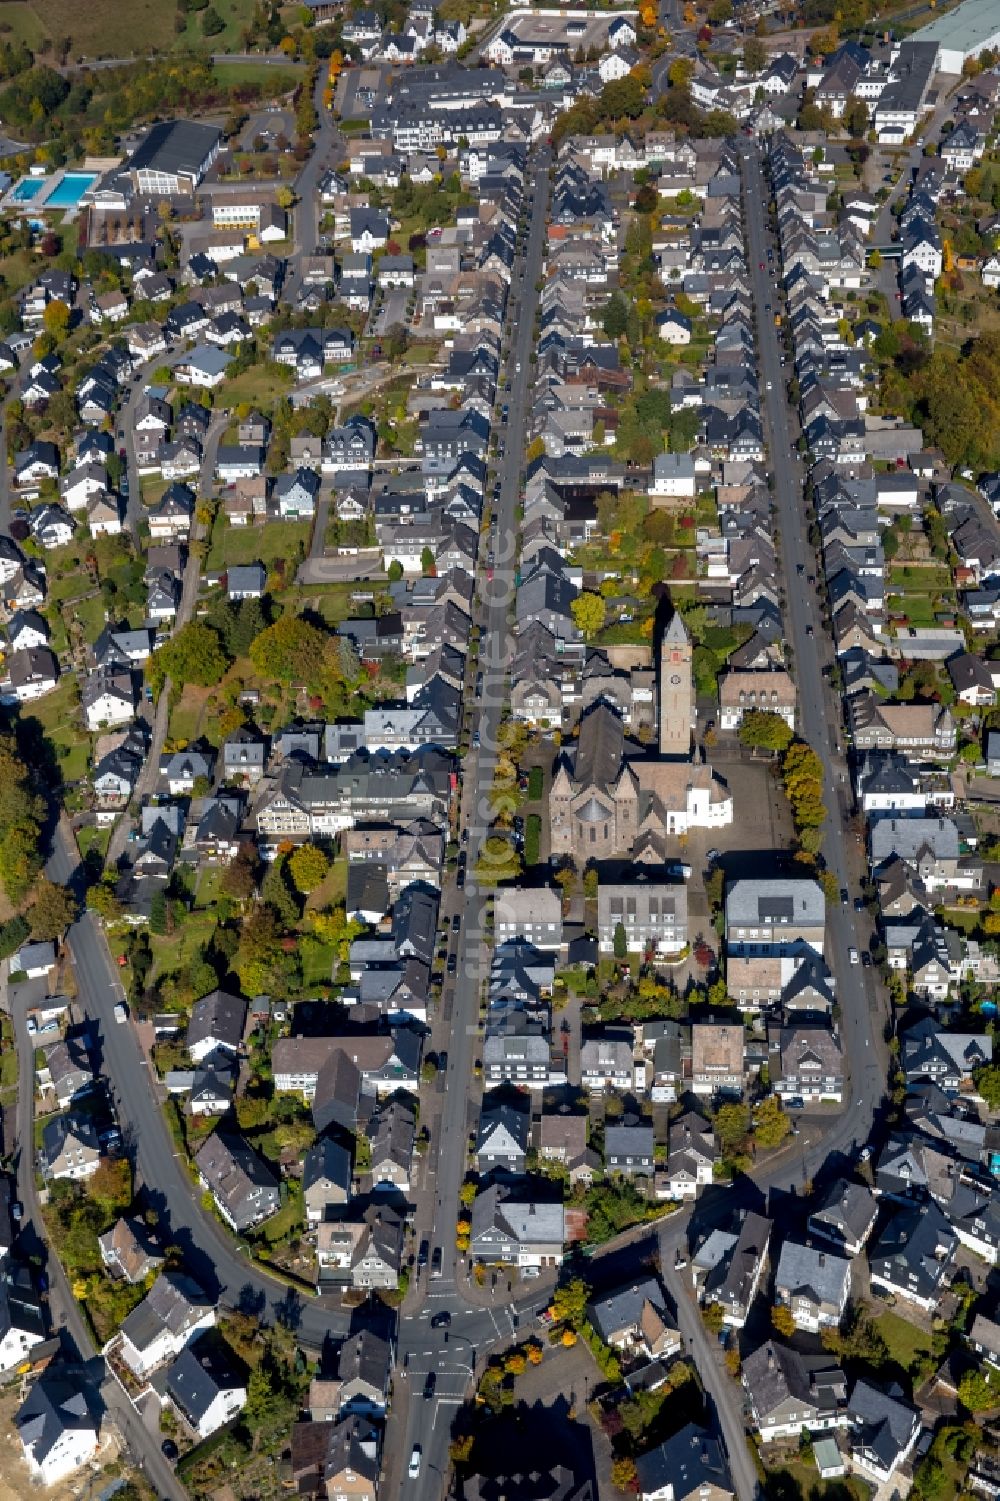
822,1259
770,1356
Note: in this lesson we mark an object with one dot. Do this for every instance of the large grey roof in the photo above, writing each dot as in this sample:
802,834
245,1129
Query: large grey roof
804,1270
775,901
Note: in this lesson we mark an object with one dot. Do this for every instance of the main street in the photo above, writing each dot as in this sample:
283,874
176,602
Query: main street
429,1422
825,1148
211,1254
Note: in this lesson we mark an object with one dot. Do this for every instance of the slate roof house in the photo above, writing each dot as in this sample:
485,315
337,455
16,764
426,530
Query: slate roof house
732,1265
785,1396
173,1312
913,1255
216,1028
846,1217
57,1430
523,1231
244,1188
205,1386
504,1129
326,1178
884,1430
690,1466
814,1284
634,1320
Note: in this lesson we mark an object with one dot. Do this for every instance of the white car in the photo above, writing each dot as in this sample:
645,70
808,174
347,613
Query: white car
854,956
415,1457
121,1013
530,1271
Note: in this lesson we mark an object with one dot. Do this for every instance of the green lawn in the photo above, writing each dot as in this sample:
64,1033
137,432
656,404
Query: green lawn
261,385
276,80
106,28
19,22
186,714
252,544
317,964
280,1225
89,613
934,578
177,949
804,1481
919,609
332,601
59,715
332,889
903,1339
91,837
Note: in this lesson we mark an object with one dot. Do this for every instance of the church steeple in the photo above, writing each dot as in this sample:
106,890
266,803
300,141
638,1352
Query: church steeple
677,701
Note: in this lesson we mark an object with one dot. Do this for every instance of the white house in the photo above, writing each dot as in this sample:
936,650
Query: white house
172,1314
674,476
56,1429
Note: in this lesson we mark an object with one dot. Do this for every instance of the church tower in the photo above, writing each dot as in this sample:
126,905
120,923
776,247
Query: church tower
677,703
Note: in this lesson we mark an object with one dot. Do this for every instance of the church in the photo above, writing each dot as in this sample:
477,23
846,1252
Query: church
610,799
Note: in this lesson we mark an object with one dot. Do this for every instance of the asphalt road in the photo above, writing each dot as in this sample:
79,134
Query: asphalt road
306,215
822,1151
427,1424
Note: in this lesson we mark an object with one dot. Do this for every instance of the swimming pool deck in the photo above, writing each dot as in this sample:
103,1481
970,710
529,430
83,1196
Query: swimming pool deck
47,195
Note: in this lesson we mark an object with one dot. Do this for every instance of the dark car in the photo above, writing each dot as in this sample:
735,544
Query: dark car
169,1449
423,1253
436,1262
441,1320
452,963
430,1382
456,922
844,896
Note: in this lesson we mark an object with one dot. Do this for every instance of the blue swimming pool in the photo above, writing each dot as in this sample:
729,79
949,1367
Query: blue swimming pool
28,189
68,192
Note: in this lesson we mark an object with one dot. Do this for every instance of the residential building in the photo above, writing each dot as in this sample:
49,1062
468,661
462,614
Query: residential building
813,1284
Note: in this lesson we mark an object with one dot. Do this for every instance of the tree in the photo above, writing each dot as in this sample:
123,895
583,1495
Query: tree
56,318
614,319
770,1123
589,612
291,650
624,1476
285,197
395,571
975,1392
211,22
987,1081
52,911
680,72
761,729
193,655
239,879
569,1303
732,1122
713,1317
781,1319
620,941
427,562
308,866
754,55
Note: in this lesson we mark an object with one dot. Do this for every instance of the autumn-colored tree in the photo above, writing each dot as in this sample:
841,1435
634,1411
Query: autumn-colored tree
589,613
308,866
782,1321
770,1123
569,1302
55,318
53,909
624,1475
